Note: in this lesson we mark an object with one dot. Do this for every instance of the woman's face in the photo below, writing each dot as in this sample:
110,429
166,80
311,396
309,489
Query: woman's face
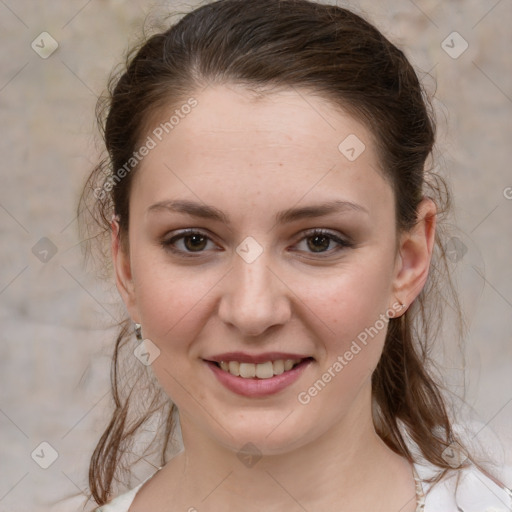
252,179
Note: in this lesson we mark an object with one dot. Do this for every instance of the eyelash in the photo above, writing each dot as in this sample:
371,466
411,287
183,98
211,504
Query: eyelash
168,244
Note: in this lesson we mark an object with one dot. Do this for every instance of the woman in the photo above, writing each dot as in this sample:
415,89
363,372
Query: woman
276,240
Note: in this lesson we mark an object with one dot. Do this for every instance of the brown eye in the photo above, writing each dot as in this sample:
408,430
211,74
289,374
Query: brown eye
320,241
195,242
187,243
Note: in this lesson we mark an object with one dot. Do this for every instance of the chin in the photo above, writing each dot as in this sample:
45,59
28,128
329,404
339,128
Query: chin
264,434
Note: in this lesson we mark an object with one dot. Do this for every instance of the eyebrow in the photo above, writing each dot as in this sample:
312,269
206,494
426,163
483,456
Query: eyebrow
205,211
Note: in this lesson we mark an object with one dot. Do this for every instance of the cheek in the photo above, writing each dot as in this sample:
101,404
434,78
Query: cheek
354,308
171,300
351,301
173,307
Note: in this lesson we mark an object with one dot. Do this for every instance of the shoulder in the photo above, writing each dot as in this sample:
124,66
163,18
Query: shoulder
122,502
467,489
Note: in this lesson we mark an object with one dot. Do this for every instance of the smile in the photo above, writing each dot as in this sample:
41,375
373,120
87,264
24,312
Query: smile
265,370
268,375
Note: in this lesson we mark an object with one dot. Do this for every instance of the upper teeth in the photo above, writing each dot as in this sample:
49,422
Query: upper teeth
261,370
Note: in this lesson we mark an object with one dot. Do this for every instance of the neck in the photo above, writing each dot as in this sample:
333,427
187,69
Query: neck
335,468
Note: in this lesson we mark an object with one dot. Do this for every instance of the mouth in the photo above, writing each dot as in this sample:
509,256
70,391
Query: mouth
258,376
264,370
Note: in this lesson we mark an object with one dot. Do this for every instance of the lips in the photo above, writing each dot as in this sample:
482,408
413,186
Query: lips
265,370
257,375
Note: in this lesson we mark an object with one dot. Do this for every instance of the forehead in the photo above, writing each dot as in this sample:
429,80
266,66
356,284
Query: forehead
234,143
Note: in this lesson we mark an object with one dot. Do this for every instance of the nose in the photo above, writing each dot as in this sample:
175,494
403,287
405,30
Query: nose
254,298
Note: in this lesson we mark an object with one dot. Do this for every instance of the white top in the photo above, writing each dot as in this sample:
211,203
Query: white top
475,493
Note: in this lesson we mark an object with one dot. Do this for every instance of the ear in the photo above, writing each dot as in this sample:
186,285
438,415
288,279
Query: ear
122,270
415,253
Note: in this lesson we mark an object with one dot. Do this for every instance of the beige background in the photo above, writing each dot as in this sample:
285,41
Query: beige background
55,342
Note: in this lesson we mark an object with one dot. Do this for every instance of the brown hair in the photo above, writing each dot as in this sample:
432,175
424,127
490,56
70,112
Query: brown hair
332,52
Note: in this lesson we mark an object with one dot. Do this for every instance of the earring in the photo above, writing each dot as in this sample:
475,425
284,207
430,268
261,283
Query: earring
138,331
